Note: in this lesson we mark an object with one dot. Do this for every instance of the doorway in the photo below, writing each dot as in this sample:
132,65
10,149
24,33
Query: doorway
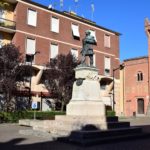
140,106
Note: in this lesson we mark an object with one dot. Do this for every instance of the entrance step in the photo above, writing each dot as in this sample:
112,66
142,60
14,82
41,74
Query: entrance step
115,125
86,138
103,134
112,119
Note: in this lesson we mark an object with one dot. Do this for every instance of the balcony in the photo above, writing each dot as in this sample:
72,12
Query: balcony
7,25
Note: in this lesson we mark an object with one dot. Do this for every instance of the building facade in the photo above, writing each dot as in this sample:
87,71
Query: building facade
135,86
36,28
135,83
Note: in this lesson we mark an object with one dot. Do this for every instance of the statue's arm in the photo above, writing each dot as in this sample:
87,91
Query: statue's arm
90,40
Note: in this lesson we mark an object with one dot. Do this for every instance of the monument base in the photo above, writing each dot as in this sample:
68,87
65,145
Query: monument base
86,99
86,108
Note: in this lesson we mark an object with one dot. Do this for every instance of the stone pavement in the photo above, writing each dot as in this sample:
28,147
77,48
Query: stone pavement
10,139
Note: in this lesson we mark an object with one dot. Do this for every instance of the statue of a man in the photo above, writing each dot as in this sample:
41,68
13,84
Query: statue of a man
87,49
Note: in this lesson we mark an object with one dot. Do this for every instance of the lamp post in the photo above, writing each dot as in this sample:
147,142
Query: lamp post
118,68
32,56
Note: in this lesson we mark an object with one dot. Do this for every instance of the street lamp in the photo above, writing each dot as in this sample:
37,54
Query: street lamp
118,68
32,56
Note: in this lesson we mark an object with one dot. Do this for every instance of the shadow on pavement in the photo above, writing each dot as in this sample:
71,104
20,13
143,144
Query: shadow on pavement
15,144
20,144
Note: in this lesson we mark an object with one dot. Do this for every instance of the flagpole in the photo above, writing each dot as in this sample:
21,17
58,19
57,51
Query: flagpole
76,5
92,9
61,5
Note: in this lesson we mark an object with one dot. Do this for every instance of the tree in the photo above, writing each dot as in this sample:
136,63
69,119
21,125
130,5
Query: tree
10,67
60,78
3,4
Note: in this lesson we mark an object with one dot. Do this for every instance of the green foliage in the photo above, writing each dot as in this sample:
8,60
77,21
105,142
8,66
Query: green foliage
10,59
13,117
110,113
4,5
60,78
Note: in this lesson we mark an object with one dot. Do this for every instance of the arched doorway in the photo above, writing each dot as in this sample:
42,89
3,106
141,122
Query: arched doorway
140,106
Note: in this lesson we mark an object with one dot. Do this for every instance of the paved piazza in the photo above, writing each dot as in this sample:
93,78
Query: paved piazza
11,139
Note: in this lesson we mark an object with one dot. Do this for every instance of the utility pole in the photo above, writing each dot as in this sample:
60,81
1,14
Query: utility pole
30,82
115,69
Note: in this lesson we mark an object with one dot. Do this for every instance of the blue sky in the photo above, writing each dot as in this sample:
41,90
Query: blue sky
124,16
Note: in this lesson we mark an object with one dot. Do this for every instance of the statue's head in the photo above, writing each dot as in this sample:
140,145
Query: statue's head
87,32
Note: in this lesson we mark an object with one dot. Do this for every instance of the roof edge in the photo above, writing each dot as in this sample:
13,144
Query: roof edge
135,58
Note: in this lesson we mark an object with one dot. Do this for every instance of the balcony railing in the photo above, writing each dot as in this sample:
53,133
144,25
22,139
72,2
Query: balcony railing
7,24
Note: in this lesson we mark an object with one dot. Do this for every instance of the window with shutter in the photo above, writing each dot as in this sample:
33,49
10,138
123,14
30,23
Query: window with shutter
1,39
53,50
93,33
30,49
107,40
32,17
55,24
75,30
74,52
30,46
107,66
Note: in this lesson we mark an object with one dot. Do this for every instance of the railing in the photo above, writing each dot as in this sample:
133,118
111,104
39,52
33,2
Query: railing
7,23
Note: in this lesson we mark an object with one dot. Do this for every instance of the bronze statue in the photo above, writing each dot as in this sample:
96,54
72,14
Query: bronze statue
87,49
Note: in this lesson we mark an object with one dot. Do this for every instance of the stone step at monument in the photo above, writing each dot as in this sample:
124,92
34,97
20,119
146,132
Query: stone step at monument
45,125
103,134
29,122
115,125
69,123
61,127
101,137
112,119
73,119
89,142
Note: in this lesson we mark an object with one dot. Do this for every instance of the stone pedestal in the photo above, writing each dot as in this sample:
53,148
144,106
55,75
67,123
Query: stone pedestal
86,99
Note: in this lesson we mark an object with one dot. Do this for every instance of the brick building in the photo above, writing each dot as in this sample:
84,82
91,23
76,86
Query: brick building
135,83
135,86
34,27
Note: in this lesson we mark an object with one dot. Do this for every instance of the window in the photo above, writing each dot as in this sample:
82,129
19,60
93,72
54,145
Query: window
94,60
75,31
107,40
30,49
93,33
74,52
139,76
53,50
32,17
2,15
30,46
55,24
107,66
1,39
